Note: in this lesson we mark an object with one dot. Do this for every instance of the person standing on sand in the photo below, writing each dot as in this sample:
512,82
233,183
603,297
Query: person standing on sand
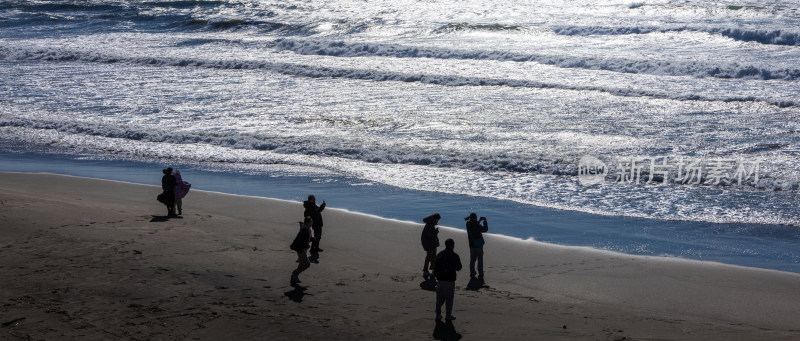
300,245
168,184
430,241
475,238
315,212
180,190
447,264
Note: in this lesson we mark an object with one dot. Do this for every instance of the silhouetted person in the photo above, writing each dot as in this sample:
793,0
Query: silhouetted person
181,188
475,237
168,183
300,245
447,264
315,212
430,241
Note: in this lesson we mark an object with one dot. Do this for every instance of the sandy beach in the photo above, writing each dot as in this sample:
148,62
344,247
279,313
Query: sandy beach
93,259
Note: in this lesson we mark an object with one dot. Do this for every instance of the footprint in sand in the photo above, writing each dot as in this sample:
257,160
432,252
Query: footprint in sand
402,279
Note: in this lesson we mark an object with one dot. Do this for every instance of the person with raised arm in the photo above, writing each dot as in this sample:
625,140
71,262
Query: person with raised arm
475,229
315,212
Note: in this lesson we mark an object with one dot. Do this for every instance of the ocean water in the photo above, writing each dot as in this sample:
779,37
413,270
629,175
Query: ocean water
656,113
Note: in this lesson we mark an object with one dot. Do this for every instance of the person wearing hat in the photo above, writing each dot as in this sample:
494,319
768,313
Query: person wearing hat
430,241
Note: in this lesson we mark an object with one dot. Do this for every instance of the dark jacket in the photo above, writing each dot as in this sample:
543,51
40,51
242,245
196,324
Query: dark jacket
475,231
168,182
302,239
430,234
447,263
314,211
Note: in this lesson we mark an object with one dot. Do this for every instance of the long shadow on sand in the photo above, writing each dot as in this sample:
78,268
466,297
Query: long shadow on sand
476,284
297,293
445,331
163,218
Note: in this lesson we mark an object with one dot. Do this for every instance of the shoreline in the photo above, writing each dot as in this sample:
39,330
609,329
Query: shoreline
454,230
87,258
760,246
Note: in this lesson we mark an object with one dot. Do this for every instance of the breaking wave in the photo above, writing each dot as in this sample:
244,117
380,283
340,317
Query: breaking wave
345,49
767,37
463,26
473,160
364,74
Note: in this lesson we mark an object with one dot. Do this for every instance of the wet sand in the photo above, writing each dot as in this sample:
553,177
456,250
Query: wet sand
94,259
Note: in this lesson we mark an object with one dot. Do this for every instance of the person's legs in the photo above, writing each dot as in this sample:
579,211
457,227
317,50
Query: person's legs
302,265
473,255
179,205
440,299
317,237
430,261
169,197
427,262
480,262
448,291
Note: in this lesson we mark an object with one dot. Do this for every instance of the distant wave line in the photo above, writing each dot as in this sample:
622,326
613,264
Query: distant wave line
309,71
105,7
345,49
767,37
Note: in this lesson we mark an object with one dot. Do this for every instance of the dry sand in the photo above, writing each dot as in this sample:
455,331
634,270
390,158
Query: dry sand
93,259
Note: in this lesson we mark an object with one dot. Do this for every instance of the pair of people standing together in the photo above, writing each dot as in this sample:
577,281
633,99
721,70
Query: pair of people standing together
174,190
447,263
312,222
475,229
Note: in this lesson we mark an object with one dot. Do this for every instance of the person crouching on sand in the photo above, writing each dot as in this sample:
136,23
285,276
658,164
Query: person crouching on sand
447,264
300,245
430,241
